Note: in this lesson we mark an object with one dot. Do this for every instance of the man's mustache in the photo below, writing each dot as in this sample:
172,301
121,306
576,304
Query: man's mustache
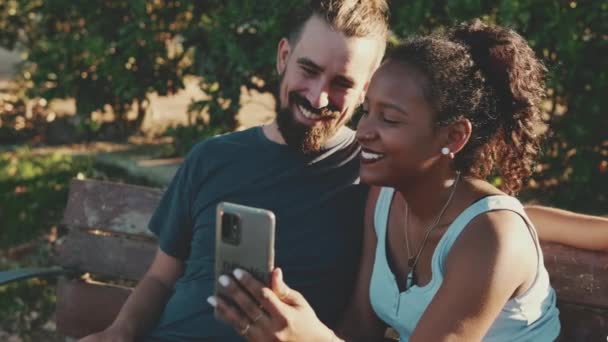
327,111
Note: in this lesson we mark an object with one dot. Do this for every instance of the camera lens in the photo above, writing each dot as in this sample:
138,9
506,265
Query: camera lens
231,228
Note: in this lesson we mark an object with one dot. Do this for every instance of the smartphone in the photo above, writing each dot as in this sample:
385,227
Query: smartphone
244,238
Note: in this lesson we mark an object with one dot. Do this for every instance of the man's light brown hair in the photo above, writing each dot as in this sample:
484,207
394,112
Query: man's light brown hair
353,18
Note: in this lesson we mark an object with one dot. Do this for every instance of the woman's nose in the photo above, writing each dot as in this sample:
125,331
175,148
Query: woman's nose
365,130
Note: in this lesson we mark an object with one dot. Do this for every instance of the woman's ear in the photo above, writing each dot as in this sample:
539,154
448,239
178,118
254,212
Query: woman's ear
459,133
283,51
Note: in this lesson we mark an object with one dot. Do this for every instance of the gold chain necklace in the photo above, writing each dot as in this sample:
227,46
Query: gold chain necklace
412,260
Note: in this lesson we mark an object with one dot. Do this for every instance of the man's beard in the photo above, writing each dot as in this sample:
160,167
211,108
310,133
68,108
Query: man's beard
305,139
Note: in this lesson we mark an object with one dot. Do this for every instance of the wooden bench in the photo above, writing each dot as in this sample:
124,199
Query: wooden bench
108,248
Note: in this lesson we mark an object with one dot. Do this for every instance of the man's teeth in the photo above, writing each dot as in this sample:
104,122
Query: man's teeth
309,115
371,156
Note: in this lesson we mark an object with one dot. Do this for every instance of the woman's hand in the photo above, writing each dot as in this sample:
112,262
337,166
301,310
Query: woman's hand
264,314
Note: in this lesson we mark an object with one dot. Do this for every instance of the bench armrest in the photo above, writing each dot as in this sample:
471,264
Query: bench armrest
10,276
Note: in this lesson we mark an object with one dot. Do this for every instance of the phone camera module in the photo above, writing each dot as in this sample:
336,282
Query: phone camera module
231,229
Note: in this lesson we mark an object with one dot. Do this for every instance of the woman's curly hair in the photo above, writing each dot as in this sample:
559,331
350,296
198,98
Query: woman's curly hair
491,76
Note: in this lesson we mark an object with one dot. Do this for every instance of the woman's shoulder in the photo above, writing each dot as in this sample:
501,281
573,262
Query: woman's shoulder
501,237
498,221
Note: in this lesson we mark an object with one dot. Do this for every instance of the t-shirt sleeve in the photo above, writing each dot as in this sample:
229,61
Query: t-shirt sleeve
172,219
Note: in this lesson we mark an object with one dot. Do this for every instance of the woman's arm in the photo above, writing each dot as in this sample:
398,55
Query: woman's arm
569,228
360,321
492,260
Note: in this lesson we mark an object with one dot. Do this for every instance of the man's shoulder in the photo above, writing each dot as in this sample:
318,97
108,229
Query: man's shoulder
223,141
344,138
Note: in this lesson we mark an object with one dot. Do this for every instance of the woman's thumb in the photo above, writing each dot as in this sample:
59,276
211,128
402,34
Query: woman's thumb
284,292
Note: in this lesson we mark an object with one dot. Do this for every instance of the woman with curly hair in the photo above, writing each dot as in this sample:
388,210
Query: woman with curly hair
447,255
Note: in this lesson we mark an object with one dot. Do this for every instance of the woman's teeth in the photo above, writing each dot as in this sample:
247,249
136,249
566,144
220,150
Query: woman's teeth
371,156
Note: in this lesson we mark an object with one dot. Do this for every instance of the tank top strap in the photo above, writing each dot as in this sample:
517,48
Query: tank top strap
383,206
486,204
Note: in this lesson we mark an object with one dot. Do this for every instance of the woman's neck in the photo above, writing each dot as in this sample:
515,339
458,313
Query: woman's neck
426,196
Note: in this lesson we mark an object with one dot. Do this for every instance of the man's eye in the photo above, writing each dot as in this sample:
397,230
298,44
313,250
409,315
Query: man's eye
343,85
309,71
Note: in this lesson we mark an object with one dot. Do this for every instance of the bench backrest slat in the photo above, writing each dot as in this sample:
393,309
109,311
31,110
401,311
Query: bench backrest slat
110,206
578,276
582,323
107,255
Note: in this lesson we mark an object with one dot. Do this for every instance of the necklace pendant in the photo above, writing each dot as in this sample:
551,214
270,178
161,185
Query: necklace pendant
410,263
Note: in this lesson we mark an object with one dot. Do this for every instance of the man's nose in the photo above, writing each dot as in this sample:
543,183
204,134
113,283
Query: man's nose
318,96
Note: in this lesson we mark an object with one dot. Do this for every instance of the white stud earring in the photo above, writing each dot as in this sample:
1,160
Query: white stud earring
445,151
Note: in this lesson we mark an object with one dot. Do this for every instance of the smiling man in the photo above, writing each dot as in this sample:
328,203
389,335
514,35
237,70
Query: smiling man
303,166
322,82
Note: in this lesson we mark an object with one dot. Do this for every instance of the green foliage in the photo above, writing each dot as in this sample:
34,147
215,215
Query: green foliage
571,39
117,52
14,125
33,192
238,49
100,53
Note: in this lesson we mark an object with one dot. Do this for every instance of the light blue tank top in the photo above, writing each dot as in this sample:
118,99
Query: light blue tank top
532,316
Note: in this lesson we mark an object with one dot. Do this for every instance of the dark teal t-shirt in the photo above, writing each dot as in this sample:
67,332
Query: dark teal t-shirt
318,205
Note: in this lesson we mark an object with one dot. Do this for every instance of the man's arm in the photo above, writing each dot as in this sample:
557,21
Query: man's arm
569,228
145,304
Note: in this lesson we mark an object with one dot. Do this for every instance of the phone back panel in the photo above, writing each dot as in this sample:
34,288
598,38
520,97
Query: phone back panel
255,250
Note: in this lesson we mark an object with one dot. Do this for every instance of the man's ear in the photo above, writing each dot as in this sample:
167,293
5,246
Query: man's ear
459,133
283,52
361,98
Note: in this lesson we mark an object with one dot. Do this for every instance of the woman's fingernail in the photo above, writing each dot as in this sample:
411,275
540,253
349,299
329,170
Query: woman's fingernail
238,273
224,280
212,301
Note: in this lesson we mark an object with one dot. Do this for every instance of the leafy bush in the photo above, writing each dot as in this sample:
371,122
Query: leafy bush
33,192
99,53
570,37
114,53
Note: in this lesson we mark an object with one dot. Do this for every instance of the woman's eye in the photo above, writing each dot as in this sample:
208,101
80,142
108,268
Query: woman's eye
389,121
